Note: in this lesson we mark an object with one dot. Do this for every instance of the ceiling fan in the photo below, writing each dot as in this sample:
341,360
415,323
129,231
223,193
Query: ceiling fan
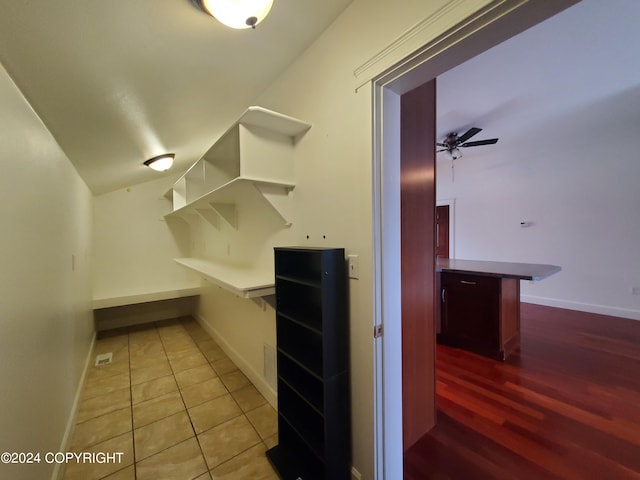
452,142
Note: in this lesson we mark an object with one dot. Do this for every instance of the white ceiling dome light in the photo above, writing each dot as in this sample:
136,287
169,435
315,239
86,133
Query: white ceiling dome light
237,13
161,163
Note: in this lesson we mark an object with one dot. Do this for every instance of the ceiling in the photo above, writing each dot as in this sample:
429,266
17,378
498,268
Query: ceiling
534,90
118,82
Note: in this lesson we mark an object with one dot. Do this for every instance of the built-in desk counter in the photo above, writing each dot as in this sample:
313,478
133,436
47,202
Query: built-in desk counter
480,303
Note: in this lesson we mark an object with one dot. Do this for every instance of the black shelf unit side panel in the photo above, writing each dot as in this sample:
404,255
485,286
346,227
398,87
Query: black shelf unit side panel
335,313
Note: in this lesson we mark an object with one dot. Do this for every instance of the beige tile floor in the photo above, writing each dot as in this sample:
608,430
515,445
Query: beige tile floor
176,407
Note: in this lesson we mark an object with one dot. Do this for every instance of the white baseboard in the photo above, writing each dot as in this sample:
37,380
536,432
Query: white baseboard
58,470
583,307
255,377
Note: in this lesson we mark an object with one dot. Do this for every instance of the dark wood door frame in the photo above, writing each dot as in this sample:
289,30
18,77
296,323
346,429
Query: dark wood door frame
417,240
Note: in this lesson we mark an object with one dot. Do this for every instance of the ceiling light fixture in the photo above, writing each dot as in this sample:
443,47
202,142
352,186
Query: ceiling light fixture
454,153
161,163
236,13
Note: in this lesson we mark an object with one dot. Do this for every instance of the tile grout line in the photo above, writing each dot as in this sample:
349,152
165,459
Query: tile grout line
185,403
192,426
155,327
108,413
243,413
133,433
230,393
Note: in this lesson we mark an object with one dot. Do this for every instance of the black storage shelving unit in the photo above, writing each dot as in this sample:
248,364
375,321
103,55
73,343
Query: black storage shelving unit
314,407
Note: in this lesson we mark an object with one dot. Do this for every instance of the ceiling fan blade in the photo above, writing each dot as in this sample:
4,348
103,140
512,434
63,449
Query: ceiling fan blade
440,144
490,141
443,150
468,134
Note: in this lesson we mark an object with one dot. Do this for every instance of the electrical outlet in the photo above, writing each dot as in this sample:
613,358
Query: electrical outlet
354,266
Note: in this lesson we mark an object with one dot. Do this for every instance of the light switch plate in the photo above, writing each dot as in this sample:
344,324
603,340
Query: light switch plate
354,266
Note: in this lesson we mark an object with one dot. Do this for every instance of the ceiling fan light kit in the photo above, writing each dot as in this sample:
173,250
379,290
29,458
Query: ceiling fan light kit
236,13
455,153
161,163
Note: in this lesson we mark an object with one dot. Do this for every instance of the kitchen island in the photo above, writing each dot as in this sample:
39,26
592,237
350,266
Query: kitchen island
480,303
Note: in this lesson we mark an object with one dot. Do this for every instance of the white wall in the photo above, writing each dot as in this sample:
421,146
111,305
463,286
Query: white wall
133,247
241,327
564,100
46,324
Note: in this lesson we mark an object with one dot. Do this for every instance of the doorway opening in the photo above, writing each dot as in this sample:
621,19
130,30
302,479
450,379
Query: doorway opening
443,223
493,24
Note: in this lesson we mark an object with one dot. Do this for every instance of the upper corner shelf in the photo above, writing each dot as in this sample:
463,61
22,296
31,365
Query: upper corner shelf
261,117
257,149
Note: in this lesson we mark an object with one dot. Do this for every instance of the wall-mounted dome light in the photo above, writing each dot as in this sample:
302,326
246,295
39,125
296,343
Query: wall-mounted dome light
161,163
236,13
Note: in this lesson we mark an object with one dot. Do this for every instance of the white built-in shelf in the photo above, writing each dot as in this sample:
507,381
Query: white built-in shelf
220,202
251,162
255,156
241,281
278,122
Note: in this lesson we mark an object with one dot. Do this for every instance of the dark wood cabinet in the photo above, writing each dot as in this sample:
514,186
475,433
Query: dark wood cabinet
480,313
314,408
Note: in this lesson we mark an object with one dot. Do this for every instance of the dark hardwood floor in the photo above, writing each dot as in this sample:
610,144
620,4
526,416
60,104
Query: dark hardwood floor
565,406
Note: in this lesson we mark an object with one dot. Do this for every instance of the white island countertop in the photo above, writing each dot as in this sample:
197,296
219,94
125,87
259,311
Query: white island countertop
522,271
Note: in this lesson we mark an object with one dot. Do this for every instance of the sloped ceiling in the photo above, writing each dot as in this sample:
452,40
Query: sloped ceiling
117,82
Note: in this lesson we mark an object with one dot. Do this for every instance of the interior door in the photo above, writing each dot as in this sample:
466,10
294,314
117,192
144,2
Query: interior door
442,231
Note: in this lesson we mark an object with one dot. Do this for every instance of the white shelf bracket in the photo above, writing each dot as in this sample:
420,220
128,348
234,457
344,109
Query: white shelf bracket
210,216
190,219
228,211
278,198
